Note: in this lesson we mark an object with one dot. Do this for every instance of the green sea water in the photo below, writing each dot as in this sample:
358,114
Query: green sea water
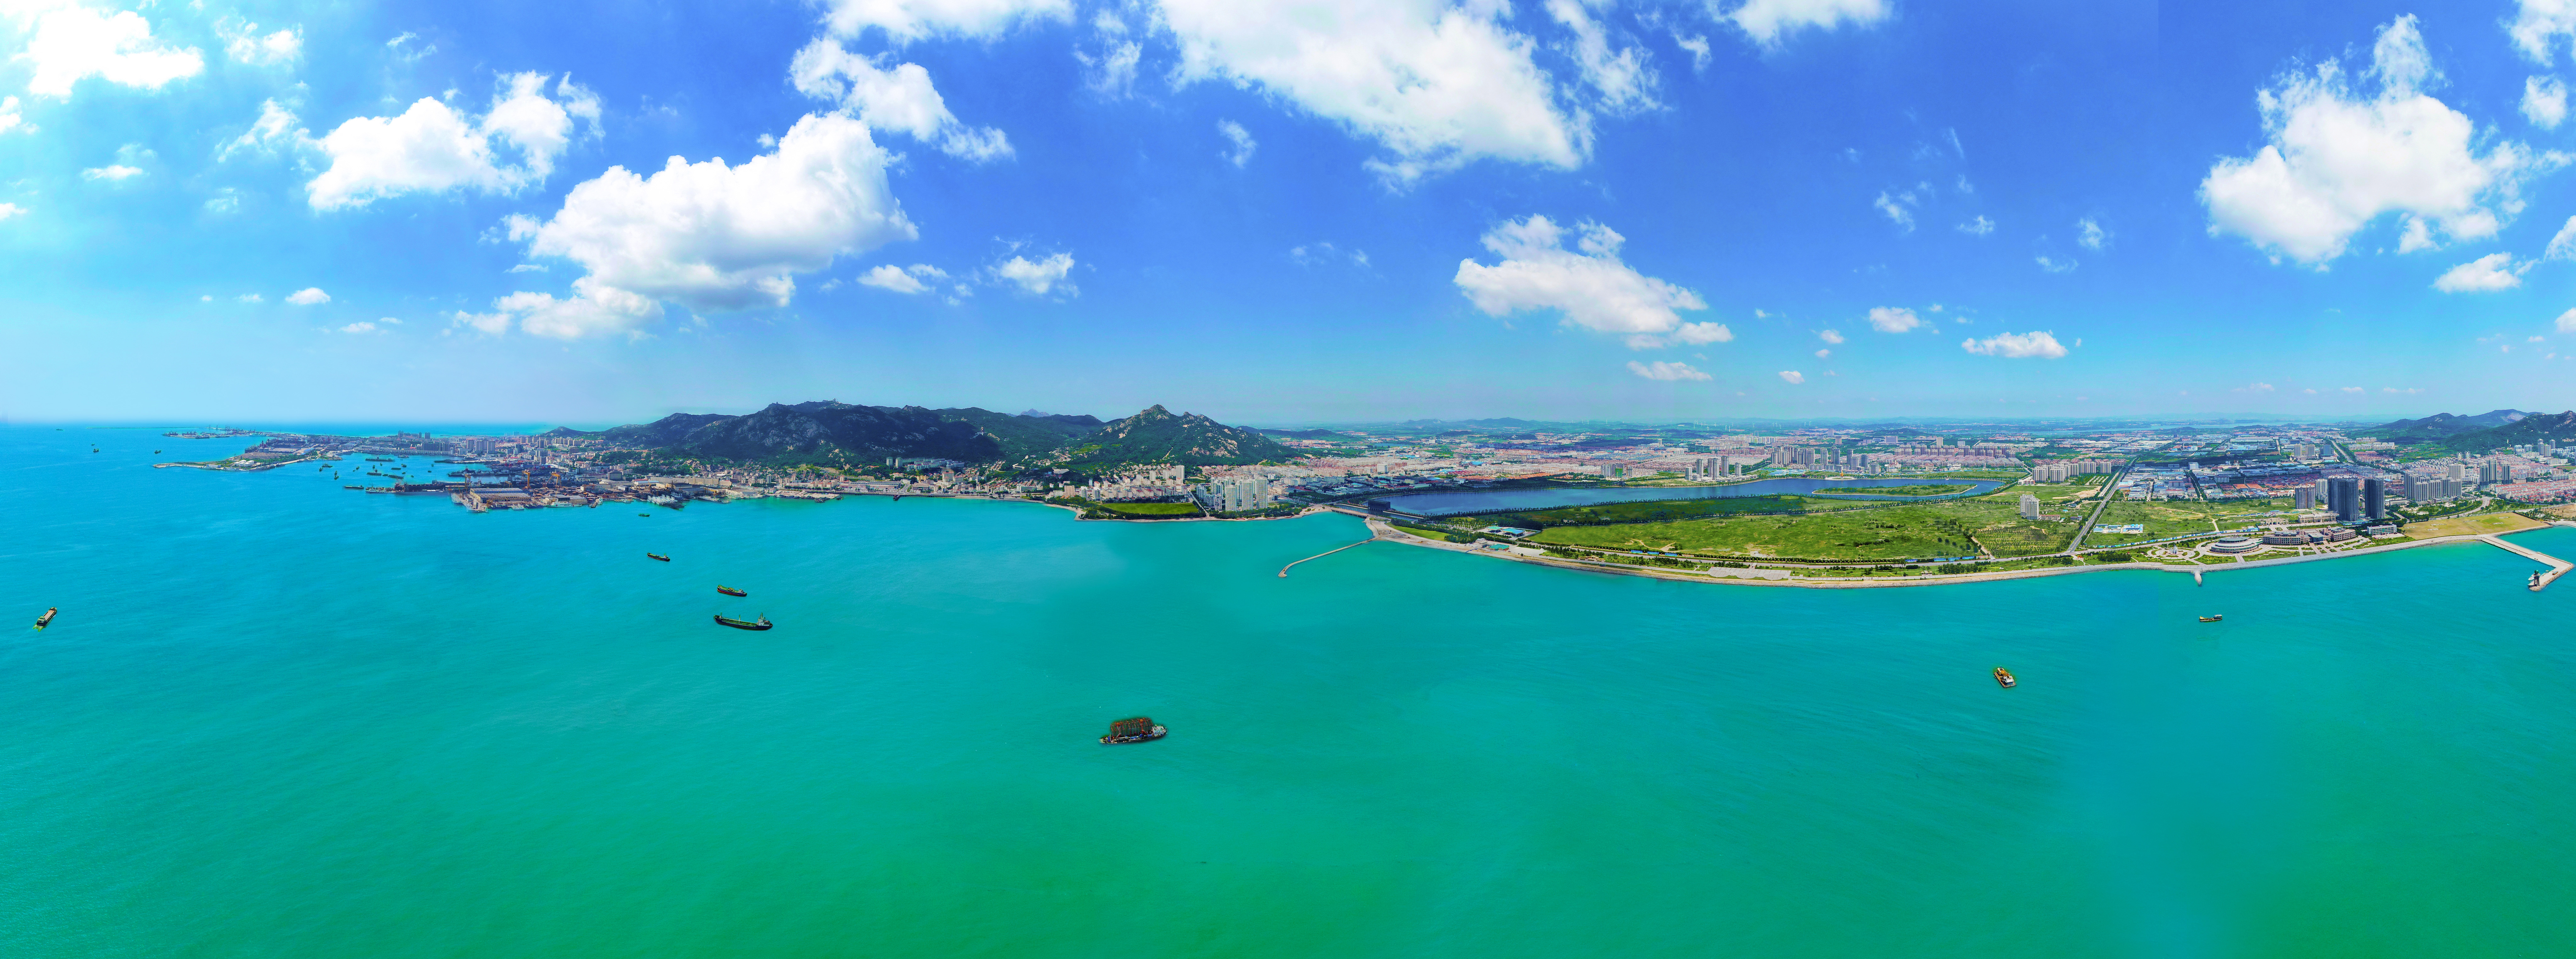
280,719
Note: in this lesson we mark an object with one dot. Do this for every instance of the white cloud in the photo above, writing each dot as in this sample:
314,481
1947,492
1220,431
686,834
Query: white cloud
1038,277
1623,81
275,128
713,236
2352,389
2486,274
2255,388
111,173
432,147
2090,234
2336,161
1978,227
1234,133
1113,73
593,309
2563,245
1768,21
1696,46
905,280
899,99
1702,334
2036,343
1824,354
1830,336
526,268
1893,319
1897,212
2392,389
69,43
1314,254
10,118
2055,265
1589,285
361,327
1660,370
308,296
905,21
2538,23
2544,102
8,210
244,44
1792,376
1436,85
248,297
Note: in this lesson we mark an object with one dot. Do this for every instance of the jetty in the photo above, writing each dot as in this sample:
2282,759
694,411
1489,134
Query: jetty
2557,567
1283,571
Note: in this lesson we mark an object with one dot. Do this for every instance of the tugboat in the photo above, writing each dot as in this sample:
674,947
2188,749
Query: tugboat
753,625
47,618
730,591
1137,730
2211,619
2003,677
658,556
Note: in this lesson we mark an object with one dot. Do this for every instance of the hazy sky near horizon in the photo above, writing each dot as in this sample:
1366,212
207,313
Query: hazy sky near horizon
1277,211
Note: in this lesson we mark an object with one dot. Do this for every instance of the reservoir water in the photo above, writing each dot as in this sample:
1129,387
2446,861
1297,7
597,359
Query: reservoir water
280,719
1465,502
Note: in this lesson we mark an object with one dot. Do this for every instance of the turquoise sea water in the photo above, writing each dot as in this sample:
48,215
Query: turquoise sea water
280,719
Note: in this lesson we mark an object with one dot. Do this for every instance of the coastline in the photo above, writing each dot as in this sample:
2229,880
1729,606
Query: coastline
1389,532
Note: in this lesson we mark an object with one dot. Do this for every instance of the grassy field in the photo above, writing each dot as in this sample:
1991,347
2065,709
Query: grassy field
1153,509
1891,533
2164,518
1933,489
2480,524
1655,511
2231,514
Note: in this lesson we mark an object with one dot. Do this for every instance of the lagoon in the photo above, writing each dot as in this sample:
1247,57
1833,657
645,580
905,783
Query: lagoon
277,718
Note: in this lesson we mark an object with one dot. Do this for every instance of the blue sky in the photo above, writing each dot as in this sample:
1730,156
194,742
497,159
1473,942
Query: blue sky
1275,211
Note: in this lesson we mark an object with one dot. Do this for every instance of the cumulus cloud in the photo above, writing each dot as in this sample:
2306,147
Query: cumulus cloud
8,210
2540,22
111,172
899,99
1824,354
1660,370
1437,86
308,296
2567,322
906,280
275,129
1240,152
248,297
243,42
2486,274
2090,234
1589,285
1892,319
1621,78
2036,343
907,21
69,43
710,235
433,148
1038,277
2055,265
361,327
1792,376
2544,102
1898,207
1769,21
1830,336
1976,227
2563,245
2337,160
593,309
11,118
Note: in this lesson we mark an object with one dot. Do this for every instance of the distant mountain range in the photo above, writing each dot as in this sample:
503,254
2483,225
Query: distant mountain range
832,431
2482,433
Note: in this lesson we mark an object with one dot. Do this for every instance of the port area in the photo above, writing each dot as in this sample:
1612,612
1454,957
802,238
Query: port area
2557,567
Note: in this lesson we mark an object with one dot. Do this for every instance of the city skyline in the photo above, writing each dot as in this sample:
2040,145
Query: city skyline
1782,209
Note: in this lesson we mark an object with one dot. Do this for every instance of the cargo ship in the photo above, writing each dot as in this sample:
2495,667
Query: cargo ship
658,556
47,618
730,591
2004,677
1137,730
750,624
2211,619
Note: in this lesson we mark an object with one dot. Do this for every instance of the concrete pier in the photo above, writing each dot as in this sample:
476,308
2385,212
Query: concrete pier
1283,571
2557,567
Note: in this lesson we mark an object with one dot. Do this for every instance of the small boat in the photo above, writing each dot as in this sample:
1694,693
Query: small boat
658,556
730,591
1137,730
47,618
353,487
753,625
2003,677
2211,619
645,515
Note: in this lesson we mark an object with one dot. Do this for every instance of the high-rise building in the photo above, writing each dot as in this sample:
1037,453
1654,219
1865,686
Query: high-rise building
2343,495
2029,506
2305,499
2455,470
2374,498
